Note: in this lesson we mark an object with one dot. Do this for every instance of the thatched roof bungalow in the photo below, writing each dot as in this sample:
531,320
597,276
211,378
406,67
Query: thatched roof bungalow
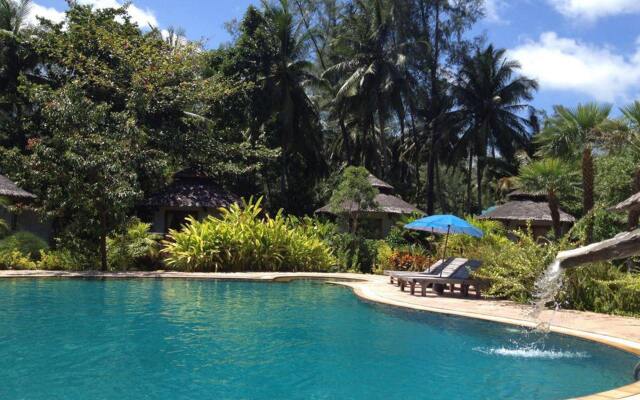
10,190
389,209
20,216
191,193
523,208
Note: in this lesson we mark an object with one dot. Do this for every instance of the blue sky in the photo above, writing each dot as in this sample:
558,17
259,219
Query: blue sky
579,50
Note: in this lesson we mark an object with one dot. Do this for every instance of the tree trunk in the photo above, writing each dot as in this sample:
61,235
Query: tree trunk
435,112
554,208
469,185
479,174
431,168
587,189
346,140
383,139
634,215
103,242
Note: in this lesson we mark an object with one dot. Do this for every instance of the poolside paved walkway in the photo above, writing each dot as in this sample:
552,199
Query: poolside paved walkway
621,332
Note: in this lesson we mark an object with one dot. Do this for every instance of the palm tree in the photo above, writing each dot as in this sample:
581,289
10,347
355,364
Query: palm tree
554,177
15,58
13,15
491,99
297,119
570,132
631,115
371,71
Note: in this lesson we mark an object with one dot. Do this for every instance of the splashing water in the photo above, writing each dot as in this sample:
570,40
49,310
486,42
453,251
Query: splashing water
532,352
546,290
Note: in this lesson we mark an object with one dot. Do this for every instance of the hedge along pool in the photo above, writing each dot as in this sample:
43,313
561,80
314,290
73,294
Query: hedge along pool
192,339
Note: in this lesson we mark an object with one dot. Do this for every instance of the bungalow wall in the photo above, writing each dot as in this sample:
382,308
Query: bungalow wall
28,220
165,218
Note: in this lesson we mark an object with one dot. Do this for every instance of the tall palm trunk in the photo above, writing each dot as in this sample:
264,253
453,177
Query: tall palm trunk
554,208
437,34
383,138
469,185
634,215
587,188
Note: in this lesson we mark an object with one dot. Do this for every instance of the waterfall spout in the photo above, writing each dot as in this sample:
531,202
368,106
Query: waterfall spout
623,245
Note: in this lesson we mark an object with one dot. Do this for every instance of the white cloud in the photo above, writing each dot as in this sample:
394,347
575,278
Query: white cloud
143,18
49,13
594,9
493,9
567,64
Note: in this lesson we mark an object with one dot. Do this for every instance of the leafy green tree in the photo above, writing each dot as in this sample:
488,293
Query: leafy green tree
353,194
492,98
554,177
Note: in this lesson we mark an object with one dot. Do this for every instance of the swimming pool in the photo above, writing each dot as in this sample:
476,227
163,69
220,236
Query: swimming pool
188,339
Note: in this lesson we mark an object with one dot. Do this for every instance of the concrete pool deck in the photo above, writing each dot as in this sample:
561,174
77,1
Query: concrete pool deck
619,332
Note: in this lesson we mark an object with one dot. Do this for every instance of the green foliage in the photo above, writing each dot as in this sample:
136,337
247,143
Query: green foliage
25,243
614,176
511,267
59,260
354,193
601,288
134,249
14,259
240,240
605,225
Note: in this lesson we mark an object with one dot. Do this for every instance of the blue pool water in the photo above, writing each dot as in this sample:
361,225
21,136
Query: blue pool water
181,339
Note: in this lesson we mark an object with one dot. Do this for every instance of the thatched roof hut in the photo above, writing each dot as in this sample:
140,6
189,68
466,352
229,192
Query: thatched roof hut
389,208
9,189
524,208
191,193
386,201
191,189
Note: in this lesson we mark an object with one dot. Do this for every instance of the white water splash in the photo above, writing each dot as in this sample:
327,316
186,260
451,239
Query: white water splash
532,352
546,290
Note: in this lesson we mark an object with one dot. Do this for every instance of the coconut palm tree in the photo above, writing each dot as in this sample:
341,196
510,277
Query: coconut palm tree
554,177
572,132
297,118
13,15
491,99
370,71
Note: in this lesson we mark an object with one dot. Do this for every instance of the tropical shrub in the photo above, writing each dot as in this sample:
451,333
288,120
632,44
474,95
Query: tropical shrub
59,260
14,259
240,240
26,243
605,225
601,287
134,249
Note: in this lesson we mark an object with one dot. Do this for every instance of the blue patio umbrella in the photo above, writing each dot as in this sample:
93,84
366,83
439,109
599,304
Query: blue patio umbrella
445,224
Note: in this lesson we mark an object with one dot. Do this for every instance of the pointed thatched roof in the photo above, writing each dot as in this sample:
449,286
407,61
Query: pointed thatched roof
525,210
379,184
632,203
386,203
191,189
9,189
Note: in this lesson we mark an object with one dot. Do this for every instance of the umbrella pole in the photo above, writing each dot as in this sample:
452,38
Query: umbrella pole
444,251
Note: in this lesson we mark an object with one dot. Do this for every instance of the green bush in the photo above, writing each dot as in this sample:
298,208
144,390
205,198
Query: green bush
59,260
26,243
135,249
14,259
242,241
4,228
601,287
606,224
